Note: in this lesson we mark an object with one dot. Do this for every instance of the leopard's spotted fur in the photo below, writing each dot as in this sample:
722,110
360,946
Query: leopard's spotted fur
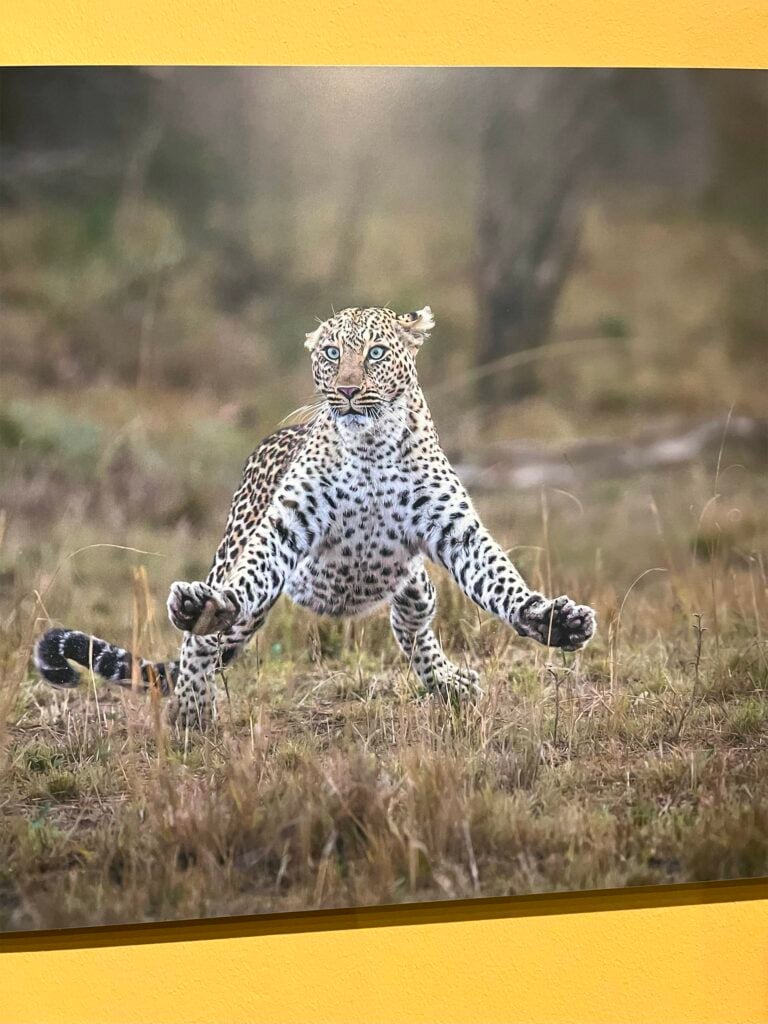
341,514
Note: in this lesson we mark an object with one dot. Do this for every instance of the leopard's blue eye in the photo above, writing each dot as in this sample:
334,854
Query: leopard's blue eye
376,353
333,353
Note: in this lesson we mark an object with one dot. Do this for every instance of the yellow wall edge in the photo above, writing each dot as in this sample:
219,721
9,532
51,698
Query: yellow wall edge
712,33
696,964
560,958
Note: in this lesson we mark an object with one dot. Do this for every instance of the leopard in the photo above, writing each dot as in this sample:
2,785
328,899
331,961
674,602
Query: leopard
342,514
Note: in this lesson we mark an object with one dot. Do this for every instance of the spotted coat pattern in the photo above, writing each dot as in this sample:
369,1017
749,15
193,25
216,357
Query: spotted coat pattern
340,515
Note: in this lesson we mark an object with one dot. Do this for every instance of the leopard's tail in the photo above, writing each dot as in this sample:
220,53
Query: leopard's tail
56,648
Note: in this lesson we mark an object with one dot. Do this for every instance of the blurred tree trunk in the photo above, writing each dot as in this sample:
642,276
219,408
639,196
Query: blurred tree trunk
539,147
739,196
350,231
738,102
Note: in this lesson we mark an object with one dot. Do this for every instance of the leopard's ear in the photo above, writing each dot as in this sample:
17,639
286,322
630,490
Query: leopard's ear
417,325
313,337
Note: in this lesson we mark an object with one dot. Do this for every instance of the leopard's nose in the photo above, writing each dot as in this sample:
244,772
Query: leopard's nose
349,393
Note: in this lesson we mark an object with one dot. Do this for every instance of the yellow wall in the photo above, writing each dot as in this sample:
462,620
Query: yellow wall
689,963
694,963
560,32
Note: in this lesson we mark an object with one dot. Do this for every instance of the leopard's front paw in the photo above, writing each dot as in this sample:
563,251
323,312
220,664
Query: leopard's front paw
557,623
200,608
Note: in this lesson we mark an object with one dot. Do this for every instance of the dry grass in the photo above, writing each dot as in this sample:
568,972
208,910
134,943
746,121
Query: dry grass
328,782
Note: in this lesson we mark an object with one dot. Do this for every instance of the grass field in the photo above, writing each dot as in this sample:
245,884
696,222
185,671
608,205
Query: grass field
327,780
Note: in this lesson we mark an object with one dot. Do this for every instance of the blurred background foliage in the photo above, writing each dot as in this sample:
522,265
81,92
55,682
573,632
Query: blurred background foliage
153,217
592,242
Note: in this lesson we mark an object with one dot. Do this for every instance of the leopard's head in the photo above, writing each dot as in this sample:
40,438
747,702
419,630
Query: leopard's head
363,360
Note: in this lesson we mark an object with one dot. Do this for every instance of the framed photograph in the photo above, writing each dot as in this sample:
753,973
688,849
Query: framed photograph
383,483
147,226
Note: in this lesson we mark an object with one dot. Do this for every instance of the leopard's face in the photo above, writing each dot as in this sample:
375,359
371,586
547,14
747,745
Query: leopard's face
363,360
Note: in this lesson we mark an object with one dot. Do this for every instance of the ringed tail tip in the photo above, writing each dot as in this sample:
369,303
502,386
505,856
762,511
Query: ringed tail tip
50,661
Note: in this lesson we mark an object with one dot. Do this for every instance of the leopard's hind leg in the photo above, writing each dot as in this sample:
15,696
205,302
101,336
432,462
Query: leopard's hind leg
201,658
411,614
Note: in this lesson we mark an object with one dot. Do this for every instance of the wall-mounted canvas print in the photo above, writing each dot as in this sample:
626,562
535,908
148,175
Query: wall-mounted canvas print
383,486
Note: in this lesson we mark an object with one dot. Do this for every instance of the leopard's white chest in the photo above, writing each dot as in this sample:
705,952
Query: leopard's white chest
362,554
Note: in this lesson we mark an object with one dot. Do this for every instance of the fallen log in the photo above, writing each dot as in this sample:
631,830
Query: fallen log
523,464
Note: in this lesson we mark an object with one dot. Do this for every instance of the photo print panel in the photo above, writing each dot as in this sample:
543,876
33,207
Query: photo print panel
382,486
